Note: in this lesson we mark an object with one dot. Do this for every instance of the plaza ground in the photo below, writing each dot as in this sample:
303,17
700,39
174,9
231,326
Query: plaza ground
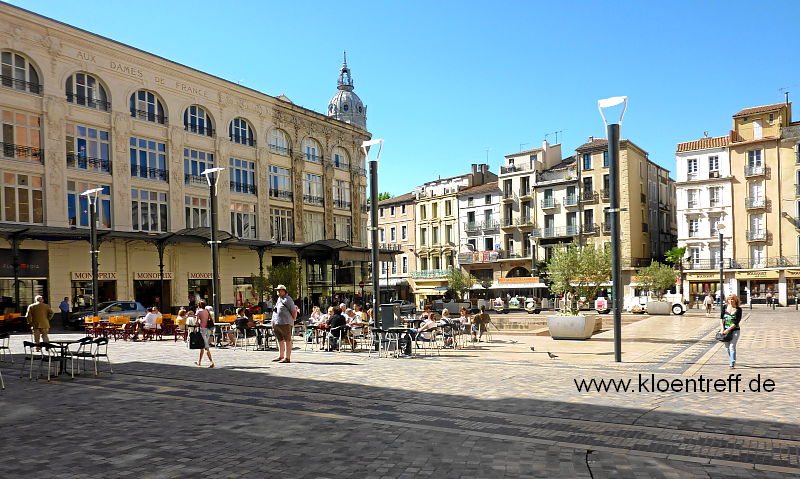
497,409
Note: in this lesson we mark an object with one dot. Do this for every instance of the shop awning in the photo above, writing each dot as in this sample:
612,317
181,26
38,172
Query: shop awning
393,282
428,292
517,286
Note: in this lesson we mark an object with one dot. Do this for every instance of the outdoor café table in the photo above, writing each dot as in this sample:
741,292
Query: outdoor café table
63,344
412,322
401,332
221,328
262,332
319,331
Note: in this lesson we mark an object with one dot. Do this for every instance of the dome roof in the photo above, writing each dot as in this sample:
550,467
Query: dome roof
346,105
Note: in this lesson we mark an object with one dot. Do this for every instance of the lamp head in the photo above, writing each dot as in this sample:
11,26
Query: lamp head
365,147
210,171
611,102
91,195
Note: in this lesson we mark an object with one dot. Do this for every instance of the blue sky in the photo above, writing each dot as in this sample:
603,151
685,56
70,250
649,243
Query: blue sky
446,80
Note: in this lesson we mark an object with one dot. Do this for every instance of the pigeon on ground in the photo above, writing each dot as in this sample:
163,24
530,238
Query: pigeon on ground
552,356
533,349
513,342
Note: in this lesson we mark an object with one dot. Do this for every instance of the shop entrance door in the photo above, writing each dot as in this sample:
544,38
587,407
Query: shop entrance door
200,289
148,292
83,297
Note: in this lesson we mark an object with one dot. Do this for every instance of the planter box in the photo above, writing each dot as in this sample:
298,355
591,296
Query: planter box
598,324
659,307
570,327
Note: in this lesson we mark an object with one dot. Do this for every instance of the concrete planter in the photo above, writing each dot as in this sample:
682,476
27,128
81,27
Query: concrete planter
570,327
659,307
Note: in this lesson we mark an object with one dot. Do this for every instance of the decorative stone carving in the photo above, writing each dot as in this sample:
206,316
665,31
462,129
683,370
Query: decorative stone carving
54,113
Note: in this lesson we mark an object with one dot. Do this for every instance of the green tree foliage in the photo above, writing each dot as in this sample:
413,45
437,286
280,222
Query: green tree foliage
384,196
579,269
287,274
675,255
657,278
261,285
459,282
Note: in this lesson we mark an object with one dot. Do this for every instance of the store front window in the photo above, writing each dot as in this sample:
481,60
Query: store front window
83,298
28,289
244,294
148,292
199,289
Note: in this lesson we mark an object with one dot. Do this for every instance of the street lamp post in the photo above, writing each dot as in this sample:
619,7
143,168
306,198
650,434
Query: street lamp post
720,228
612,133
94,250
373,213
213,179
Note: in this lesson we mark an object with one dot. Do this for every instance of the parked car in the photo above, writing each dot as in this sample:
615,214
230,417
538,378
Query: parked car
638,304
453,307
130,309
405,306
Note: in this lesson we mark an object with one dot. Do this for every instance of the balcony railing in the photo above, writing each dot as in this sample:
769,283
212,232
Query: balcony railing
489,225
513,169
88,163
755,202
474,227
606,193
200,130
507,222
149,116
341,166
760,170
82,100
508,195
478,257
430,274
280,194
589,228
244,188
243,140
281,150
11,82
511,254
707,264
151,173
571,200
341,204
549,203
606,227
313,158
525,220
21,152
196,180
638,262
524,192
588,195
555,232
313,200
756,235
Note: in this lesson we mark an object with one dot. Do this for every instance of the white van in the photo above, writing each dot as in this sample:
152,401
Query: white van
638,303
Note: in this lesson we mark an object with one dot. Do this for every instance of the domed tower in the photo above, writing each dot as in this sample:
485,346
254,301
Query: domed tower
346,105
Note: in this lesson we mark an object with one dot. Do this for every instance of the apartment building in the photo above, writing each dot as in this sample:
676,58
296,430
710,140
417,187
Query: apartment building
437,237
479,229
81,111
396,220
705,201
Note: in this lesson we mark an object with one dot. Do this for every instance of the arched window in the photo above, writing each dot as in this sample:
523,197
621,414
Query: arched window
518,272
340,158
145,105
312,150
240,132
17,72
278,142
84,89
196,120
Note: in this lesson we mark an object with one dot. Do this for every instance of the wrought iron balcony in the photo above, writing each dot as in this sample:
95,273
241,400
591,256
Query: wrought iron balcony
490,225
525,192
606,192
243,140
473,227
313,158
476,257
313,200
511,254
756,170
200,130
525,220
755,202
196,180
430,274
571,200
588,195
88,163
513,169
280,194
149,116
589,228
360,171
21,152
341,204
639,262
706,264
150,173
507,195
756,235
555,232
507,222
22,85
548,203
88,102
244,188
341,165
281,150
606,227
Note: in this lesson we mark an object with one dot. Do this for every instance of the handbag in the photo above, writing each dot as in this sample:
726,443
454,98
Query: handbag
196,340
724,337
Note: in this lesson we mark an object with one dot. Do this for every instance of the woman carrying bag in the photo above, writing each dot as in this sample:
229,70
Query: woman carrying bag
203,320
731,316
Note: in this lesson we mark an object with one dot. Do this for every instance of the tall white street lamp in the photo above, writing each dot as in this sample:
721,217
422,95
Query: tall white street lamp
94,249
373,214
612,133
213,179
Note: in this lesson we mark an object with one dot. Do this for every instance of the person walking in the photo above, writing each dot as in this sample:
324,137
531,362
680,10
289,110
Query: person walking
731,316
708,303
283,323
39,315
64,308
203,315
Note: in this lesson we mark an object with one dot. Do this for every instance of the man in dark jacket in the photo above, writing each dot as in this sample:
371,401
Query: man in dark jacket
338,325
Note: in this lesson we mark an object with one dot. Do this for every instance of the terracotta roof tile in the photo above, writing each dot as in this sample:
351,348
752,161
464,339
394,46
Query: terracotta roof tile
704,143
595,143
480,188
760,109
408,197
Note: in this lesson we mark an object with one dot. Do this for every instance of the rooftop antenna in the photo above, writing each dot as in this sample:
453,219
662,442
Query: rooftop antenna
487,155
705,133
521,145
556,133
785,91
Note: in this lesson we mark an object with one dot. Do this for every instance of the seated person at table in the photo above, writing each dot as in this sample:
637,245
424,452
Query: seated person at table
326,317
242,324
316,315
180,319
356,321
479,324
447,328
427,312
149,321
338,325
425,332
191,318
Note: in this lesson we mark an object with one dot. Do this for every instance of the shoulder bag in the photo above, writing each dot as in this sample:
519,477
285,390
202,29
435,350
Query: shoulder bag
724,337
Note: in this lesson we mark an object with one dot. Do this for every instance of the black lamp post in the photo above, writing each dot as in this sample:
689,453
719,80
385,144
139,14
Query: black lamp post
612,133
213,179
373,213
94,250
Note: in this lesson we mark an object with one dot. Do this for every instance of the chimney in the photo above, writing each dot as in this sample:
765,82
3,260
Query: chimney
591,139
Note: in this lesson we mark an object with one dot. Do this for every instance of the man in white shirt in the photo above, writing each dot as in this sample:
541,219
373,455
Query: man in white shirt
150,321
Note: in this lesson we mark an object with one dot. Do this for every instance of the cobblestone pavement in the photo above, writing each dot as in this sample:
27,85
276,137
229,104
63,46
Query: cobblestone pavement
495,410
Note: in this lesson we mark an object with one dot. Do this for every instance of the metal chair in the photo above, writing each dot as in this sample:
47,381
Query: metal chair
428,344
31,354
84,351
5,347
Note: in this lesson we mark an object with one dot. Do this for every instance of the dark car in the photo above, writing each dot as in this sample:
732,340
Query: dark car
130,309
405,306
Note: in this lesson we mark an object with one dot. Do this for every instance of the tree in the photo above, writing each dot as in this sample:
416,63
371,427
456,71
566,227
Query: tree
260,284
384,196
460,282
657,278
579,269
287,274
676,256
